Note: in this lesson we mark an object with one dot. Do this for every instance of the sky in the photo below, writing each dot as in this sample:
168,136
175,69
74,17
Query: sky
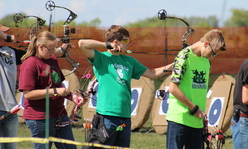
124,11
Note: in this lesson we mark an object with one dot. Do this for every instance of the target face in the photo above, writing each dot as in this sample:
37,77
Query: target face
215,111
66,85
21,101
163,108
136,92
93,99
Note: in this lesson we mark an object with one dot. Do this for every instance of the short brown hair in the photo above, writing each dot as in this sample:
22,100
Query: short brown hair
116,32
216,39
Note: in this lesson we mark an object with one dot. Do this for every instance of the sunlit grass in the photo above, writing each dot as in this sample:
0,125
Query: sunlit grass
145,138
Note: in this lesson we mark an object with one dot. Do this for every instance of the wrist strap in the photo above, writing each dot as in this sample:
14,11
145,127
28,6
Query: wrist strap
8,38
108,45
194,110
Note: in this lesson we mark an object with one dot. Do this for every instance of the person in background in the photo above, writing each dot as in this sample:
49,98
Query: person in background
114,72
188,90
239,121
40,70
9,59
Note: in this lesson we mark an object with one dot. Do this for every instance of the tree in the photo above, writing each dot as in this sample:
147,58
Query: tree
8,20
96,22
239,18
210,21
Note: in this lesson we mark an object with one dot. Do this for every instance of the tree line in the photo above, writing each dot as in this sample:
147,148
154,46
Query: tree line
239,18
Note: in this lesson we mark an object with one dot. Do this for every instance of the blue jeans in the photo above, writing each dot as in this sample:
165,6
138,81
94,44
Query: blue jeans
179,136
240,133
8,128
37,128
119,138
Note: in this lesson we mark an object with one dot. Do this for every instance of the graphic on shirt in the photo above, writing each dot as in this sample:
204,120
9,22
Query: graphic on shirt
54,74
199,80
6,57
120,70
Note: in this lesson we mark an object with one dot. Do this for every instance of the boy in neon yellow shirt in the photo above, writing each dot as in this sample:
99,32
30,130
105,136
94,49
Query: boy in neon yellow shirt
188,89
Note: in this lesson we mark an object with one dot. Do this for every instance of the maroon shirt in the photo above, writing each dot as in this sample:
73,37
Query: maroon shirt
36,73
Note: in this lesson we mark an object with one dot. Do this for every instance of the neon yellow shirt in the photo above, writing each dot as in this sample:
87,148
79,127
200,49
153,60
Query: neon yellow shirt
192,75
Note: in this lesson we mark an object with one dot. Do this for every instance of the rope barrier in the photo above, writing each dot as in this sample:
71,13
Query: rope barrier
54,139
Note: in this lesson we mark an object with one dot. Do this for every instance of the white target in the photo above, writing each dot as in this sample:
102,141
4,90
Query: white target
65,83
93,99
163,108
215,111
136,92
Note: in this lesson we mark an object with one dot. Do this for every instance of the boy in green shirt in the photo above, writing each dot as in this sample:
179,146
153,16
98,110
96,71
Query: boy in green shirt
188,89
114,72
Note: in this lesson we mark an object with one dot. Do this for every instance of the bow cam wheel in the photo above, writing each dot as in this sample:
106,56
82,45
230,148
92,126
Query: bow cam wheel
50,5
162,14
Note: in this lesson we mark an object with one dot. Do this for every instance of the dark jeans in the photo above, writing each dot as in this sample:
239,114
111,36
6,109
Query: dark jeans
8,128
179,136
37,128
120,138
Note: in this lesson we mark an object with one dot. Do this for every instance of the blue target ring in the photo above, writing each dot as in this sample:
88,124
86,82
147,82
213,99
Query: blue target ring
135,95
214,112
165,103
94,97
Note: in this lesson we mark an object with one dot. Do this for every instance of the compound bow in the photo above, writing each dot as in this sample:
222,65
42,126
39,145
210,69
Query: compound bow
50,6
35,27
162,15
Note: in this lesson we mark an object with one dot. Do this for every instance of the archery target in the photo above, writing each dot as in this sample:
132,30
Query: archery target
215,111
164,103
20,100
142,97
66,85
93,99
136,92
71,82
160,108
223,86
89,109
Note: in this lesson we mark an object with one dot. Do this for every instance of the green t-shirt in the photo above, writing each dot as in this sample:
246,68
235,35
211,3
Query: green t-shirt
192,75
114,74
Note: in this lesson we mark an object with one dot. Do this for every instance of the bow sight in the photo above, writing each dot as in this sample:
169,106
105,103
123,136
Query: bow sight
67,31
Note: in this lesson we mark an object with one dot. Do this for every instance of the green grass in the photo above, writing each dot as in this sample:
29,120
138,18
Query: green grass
145,138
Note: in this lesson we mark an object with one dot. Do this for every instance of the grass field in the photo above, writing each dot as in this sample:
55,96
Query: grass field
145,138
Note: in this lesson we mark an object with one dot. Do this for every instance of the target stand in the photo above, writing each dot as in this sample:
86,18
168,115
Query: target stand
219,103
160,108
141,102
